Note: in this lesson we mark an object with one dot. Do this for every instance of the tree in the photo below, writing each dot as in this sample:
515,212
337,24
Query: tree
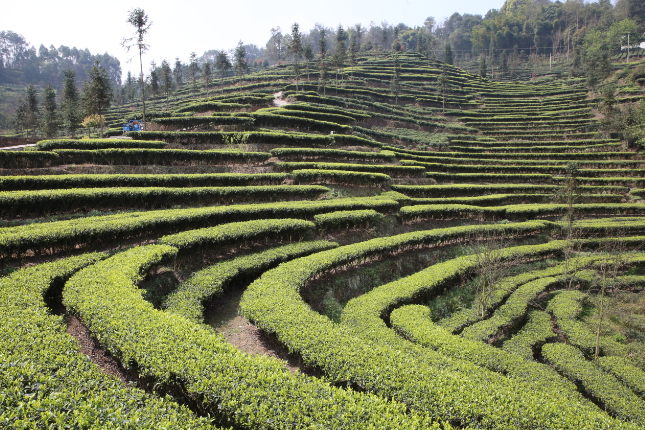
50,118
443,84
322,53
139,20
71,104
447,53
222,64
130,88
166,79
421,44
26,116
207,76
359,30
20,116
396,43
193,69
614,258
97,93
90,122
340,54
611,123
353,51
240,60
492,264
634,124
275,46
384,36
28,113
503,62
621,33
483,70
636,11
569,194
178,73
154,80
395,85
295,49
429,23
309,56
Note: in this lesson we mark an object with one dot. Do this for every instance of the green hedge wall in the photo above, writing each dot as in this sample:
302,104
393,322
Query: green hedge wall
41,202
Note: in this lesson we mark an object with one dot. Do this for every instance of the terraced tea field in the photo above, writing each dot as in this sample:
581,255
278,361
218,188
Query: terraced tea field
410,252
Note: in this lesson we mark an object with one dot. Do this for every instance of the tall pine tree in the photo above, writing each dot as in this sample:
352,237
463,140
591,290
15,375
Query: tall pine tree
295,49
222,64
322,52
193,69
97,93
483,69
309,56
71,106
395,85
178,73
447,54
154,80
32,111
340,55
50,119
240,64
207,76
140,21
166,79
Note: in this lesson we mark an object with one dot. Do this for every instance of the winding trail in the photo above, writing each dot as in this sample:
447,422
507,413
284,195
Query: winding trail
278,101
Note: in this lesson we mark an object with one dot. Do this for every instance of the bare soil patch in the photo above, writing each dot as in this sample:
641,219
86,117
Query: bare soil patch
222,316
91,347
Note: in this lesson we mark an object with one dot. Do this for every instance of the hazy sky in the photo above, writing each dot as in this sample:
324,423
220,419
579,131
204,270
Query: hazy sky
183,26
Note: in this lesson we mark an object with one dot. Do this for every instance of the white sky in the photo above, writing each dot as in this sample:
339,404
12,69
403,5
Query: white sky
181,27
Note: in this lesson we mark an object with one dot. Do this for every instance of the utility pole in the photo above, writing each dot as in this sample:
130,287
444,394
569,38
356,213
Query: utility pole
550,63
628,47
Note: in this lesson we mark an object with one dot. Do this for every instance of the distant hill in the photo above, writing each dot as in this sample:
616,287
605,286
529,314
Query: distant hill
23,64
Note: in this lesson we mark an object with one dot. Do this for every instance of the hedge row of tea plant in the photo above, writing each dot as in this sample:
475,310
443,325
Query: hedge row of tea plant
511,312
347,219
212,106
448,389
581,157
310,107
50,145
537,331
197,121
459,320
625,372
315,153
527,211
235,388
565,307
512,199
614,396
415,324
392,170
204,285
461,190
48,383
272,138
27,159
236,232
40,202
47,182
316,176
52,237
318,116
159,156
